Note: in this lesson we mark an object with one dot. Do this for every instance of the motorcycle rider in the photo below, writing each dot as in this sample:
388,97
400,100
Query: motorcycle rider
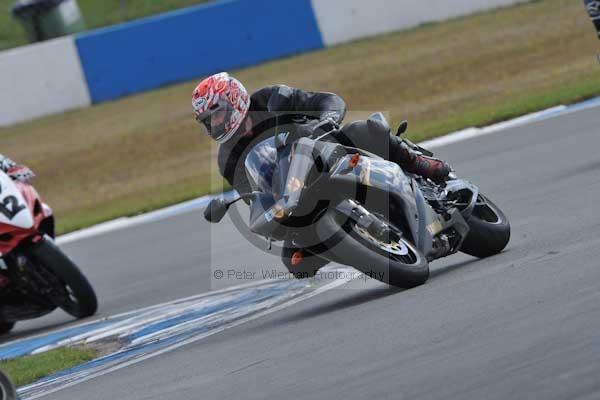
17,172
593,9
238,121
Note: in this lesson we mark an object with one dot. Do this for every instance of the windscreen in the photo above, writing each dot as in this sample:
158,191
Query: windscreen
267,167
260,165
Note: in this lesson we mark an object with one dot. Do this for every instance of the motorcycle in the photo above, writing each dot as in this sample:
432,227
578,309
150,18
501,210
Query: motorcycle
36,277
352,207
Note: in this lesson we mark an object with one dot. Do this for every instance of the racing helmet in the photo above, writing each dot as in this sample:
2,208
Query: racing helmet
220,103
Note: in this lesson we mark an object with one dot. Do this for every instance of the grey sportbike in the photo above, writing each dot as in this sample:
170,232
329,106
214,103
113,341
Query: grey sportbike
352,207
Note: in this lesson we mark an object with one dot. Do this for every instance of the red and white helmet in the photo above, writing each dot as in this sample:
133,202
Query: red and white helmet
220,105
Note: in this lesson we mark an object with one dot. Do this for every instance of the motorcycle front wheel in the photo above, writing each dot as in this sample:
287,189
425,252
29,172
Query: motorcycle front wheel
396,261
70,289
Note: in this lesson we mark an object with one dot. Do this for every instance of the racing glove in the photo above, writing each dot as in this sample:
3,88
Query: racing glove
314,128
17,172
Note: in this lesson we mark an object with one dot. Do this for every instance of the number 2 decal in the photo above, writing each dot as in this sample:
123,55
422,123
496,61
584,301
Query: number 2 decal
10,206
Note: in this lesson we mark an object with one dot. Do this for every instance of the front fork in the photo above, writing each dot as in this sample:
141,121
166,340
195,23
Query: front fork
47,226
27,278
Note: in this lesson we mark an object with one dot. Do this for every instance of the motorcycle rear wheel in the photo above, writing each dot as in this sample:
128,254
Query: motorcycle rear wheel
490,230
398,263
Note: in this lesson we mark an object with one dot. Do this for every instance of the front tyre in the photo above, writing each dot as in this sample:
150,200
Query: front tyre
395,261
490,230
71,290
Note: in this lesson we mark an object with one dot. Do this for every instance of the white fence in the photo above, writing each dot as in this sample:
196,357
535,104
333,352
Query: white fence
345,20
40,79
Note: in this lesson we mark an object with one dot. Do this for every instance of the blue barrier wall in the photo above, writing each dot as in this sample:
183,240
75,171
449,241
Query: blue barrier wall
195,41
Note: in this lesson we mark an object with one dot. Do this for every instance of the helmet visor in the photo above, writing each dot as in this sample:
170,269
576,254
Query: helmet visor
215,121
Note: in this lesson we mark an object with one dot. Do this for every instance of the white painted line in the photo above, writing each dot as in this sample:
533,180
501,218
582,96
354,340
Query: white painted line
585,105
470,133
524,120
93,231
458,136
127,222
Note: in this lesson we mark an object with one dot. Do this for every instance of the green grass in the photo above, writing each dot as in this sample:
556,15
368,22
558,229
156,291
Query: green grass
97,13
478,117
28,369
11,33
161,196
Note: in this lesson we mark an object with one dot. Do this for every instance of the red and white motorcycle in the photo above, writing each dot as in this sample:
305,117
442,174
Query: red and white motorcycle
36,277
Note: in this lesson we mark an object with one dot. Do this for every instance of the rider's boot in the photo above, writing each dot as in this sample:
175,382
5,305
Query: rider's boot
416,163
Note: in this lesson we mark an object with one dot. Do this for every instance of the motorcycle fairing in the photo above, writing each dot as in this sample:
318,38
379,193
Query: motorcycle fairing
284,173
388,177
456,186
13,208
12,235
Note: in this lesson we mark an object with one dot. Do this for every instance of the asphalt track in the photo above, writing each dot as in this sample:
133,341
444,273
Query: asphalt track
521,325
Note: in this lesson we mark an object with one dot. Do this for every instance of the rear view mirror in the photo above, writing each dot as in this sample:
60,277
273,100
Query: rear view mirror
402,128
216,210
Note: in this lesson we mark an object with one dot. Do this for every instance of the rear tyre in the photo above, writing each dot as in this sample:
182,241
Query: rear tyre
490,230
73,292
6,327
397,262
